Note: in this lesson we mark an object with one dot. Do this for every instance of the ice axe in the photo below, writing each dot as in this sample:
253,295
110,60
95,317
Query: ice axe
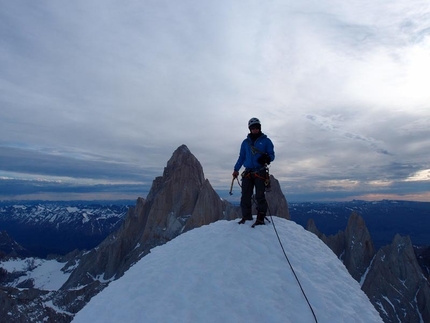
231,187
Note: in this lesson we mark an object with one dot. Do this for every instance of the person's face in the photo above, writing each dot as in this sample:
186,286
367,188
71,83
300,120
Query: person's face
254,129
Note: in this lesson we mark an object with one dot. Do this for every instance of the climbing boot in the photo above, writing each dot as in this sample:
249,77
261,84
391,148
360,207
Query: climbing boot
260,219
244,219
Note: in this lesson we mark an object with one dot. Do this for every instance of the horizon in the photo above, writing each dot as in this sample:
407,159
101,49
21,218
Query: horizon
235,202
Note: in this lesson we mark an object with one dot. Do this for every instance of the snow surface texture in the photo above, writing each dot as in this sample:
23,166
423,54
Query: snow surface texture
46,274
225,272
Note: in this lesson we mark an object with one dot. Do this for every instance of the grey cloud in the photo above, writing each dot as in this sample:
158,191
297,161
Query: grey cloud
35,162
43,190
328,124
17,187
102,91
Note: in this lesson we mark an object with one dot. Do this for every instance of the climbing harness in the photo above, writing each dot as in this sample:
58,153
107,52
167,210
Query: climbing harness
256,174
250,174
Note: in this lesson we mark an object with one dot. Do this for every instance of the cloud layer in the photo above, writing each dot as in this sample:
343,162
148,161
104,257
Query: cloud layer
102,93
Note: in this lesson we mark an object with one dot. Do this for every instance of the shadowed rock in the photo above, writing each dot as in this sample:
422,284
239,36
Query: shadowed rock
392,279
396,285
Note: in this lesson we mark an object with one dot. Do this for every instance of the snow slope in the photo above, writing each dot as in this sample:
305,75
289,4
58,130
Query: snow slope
225,272
46,274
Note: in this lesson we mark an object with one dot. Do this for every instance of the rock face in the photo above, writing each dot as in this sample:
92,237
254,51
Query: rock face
354,246
423,257
359,245
9,247
396,286
392,279
335,242
276,200
26,305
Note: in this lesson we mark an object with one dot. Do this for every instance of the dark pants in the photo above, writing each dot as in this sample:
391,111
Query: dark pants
249,181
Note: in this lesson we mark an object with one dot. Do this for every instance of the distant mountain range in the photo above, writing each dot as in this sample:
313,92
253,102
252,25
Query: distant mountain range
43,228
383,218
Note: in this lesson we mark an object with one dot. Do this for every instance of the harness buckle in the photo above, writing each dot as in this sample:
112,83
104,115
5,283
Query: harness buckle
247,173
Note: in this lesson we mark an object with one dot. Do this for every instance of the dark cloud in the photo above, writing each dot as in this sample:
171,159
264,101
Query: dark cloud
34,162
22,189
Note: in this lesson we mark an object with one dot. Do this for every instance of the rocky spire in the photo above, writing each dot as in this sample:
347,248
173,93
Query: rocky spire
359,249
392,279
173,197
396,285
179,200
276,200
354,246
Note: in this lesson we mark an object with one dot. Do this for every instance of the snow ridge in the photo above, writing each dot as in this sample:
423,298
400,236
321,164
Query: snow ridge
224,272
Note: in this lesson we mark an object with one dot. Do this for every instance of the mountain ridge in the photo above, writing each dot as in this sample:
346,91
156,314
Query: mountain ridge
224,272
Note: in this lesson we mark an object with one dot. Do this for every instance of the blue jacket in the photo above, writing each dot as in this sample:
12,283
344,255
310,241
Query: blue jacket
249,159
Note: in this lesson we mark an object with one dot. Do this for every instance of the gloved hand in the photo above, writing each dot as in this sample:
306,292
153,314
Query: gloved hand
235,174
264,159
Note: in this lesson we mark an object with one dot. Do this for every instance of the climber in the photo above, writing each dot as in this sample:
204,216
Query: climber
256,152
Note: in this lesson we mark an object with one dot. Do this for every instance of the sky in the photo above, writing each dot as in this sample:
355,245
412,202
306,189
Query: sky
233,280
95,96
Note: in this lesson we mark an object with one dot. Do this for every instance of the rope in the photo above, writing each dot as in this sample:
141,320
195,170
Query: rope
291,266
285,254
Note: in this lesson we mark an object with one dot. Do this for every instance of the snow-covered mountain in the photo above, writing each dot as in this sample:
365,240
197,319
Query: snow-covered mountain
54,227
224,272
37,273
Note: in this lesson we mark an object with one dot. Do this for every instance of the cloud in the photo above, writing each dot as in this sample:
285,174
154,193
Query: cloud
329,125
57,164
422,175
12,189
105,92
